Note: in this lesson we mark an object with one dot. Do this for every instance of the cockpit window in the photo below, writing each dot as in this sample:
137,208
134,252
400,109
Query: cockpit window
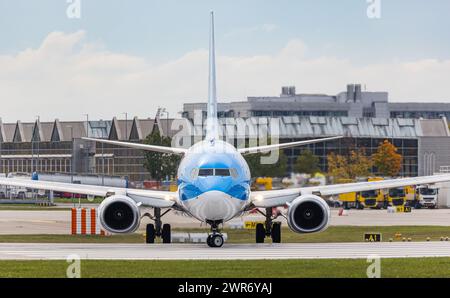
213,172
206,172
222,172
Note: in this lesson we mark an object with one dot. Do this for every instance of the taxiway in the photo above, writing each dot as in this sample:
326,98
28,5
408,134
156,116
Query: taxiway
14,222
49,251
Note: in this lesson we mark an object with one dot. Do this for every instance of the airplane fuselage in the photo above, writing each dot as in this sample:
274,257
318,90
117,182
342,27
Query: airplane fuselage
214,181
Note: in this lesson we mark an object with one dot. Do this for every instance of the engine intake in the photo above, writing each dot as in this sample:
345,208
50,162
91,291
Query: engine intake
308,214
119,214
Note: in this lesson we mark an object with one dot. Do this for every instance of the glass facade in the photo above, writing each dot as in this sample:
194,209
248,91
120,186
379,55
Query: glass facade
408,148
119,161
61,155
420,114
324,113
48,157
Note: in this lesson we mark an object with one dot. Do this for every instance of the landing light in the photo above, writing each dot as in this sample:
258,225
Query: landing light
259,198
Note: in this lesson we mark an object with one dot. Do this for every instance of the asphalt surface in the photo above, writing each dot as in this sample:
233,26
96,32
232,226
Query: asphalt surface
45,251
58,221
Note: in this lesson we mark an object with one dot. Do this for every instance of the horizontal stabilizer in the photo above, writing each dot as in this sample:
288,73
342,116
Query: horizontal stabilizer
145,147
268,148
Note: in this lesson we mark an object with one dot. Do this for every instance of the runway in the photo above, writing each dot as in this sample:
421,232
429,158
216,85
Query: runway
45,251
13,222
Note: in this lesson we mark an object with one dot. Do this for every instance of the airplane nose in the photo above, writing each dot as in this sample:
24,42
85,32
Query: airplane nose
206,184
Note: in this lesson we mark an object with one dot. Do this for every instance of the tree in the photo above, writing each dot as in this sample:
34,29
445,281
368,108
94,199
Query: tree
307,163
258,169
337,166
387,160
160,165
357,164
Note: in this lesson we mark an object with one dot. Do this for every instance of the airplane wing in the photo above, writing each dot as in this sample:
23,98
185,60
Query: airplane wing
284,145
145,147
273,198
149,198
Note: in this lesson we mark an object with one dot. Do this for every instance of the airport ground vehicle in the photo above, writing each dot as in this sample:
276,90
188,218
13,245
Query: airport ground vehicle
370,198
397,196
374,198
351,199
412,199
113,181
427,196
267,182
19,192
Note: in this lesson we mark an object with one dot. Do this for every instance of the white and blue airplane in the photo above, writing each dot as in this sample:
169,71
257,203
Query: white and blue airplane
214,187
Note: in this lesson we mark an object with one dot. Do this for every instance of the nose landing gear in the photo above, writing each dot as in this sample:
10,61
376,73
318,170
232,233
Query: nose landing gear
215,239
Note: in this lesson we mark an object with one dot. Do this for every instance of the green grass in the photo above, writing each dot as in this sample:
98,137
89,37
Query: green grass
128,238
423,267
31,207
349,234
69,203
333,234
96,200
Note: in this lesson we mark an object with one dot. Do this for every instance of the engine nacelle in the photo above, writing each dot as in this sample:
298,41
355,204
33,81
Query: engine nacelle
119,214
308,214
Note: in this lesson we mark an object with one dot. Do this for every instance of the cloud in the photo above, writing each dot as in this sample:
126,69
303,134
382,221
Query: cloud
67,76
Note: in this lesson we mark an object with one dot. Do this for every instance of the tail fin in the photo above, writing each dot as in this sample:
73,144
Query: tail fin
212,123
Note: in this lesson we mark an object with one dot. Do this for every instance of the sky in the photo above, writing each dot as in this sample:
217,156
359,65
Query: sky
135,56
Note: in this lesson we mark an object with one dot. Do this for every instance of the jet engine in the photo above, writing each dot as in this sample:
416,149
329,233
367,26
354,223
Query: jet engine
308,214
119,214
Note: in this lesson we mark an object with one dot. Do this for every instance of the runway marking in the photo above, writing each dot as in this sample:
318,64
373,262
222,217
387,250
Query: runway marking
59,251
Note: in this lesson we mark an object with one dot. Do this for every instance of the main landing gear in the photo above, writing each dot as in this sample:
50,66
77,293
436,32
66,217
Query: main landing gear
269,228
215,239
157,229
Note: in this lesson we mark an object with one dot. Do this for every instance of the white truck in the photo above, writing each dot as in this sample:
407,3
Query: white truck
16,192
427,196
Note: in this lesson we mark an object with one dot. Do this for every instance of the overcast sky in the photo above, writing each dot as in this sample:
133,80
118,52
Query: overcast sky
133,56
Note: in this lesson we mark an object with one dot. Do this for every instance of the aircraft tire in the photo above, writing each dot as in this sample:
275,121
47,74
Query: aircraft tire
216,240
150,233
166,234
276,232
260,233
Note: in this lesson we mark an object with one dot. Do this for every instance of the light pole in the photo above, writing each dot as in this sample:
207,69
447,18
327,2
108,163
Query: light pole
86,158
164,111
103,166
71,160
38,123
87,125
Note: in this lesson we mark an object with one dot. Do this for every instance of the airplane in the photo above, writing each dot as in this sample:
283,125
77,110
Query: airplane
214,187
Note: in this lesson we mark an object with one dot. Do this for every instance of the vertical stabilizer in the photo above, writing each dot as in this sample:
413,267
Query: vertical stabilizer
212,123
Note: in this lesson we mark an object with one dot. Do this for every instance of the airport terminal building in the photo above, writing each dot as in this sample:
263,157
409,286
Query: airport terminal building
57,147
354,102
420,132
